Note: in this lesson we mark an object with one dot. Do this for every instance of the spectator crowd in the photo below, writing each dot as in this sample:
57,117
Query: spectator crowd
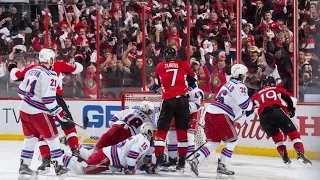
106,38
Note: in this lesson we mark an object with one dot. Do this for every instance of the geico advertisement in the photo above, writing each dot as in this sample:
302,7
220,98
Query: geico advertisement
100,112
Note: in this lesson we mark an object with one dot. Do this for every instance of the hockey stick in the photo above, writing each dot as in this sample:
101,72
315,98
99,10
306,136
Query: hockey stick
85,122
196,150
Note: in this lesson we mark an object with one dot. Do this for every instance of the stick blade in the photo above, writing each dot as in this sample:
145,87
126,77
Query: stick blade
85,122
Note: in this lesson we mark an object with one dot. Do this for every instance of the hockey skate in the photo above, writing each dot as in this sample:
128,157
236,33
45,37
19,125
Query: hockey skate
223,172
76,153
160,160
285,158
170,166
181,164
44,168
302,159
61,171
192,166
25,173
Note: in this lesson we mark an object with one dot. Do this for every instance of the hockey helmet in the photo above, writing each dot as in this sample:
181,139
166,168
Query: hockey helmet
148,128
237,70
169,54
147,107
46,56
269,81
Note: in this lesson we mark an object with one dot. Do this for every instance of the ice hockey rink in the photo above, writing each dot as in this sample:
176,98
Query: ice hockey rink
245,167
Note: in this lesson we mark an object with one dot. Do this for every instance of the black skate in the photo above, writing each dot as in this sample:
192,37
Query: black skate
44,168
168,166
63,140
61,171
160,160
285,158
76,153
302,159
222,171
25,173
181,164
192,166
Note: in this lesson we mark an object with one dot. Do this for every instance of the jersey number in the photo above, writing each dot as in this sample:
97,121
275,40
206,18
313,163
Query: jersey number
174,76
30,87
53,82
221,95
135,122
269,95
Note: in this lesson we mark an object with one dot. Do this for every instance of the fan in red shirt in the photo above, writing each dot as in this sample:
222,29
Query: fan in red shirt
273,104
60,67
174,76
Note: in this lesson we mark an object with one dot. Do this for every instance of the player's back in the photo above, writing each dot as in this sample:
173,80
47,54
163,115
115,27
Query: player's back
133,148
269,96
33,90
173,76
231,100
134,118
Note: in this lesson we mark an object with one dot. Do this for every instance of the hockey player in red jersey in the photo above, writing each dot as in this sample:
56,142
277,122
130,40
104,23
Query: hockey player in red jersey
60,67
37,111
172,75
275,107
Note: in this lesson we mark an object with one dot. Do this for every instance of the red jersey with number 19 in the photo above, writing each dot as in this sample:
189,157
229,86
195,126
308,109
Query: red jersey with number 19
172,75
270,96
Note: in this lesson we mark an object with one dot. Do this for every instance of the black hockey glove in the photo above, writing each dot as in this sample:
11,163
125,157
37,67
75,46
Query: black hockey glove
11,66
292,113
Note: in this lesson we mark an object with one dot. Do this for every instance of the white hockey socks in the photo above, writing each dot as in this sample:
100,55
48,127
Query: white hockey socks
28,149
206,150
55,150
190,143
227,152
172,144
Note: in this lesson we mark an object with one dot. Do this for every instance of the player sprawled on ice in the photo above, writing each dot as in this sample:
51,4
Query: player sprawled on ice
195,102
275,107
38,109
125,154
60,67
231,103
173,76
122,126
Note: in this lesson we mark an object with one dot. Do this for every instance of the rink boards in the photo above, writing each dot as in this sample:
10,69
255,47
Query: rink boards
252,140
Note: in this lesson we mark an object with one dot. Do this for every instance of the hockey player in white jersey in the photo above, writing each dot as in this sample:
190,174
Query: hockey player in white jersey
232,102
125,154
195,102
122,126
37,111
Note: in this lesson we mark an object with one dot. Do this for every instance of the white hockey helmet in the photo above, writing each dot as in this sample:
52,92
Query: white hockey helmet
147,107
238,69
46,56
148,128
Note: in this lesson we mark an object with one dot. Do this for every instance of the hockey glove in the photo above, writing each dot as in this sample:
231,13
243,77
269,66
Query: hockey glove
292,113
149,169
130,170
11,66
60,116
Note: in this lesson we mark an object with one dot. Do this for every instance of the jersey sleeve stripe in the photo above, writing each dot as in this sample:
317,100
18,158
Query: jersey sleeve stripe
132,154
245,104
48,100
35,104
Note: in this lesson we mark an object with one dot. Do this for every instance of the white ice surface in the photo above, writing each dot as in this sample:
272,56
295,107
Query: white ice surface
245,167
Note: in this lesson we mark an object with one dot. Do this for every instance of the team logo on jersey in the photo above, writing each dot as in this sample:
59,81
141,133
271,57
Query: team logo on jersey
216,80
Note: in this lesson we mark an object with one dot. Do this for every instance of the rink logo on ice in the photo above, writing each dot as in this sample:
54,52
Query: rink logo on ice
9,112
99,116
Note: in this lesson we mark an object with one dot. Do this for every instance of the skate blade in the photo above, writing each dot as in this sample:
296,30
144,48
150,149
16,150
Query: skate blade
309,165
224,176
168,169
288,164
27,177
190,172
46,171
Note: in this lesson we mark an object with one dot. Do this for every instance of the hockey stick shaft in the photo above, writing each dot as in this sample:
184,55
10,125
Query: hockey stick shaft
85,122
196,150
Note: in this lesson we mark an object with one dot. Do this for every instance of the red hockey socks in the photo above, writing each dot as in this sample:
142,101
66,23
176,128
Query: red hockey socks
278,140
182,138
159,142
44,148
97,163
295,138
72,137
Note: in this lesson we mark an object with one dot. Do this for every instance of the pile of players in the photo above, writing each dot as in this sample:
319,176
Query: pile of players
133,142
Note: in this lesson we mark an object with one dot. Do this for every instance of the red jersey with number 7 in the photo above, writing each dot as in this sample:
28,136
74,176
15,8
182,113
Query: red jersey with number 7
270,96
172,76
